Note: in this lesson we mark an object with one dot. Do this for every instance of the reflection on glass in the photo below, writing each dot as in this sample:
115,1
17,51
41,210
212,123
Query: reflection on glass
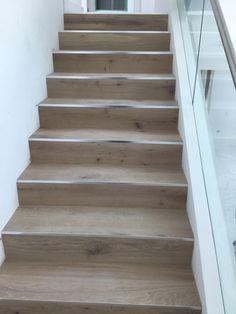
220,99
118,5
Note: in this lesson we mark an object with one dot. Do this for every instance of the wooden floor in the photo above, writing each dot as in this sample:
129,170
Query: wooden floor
102,226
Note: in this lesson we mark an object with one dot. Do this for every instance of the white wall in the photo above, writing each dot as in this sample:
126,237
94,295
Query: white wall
229,11
28,33
75,6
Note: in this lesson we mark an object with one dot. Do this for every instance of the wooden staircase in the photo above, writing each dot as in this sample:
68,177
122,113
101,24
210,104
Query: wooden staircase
102,225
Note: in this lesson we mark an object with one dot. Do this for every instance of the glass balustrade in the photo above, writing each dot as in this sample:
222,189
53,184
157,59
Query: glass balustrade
214,103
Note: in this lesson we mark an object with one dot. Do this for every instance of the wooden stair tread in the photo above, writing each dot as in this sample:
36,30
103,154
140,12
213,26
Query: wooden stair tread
99,283
107,135
116,21
77,102
67,173
101,221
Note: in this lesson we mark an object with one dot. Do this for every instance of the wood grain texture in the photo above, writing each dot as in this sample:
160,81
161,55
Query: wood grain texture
98,249
99,234
92,173
102,221
107,135
96,283
104,153
143,22
140,120
57,307
108,195
115,41
116,88
102,226
87,62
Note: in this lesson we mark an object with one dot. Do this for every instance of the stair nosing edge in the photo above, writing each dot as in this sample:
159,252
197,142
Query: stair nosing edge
81,182
112,52
78,140
99,236
88,106
82,31
168,307
111,77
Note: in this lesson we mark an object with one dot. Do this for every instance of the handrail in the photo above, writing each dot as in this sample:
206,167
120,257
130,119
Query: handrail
225,36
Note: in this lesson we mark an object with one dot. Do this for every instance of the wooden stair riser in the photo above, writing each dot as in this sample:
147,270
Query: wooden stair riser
113,63
29,307
75,248
106,153
114,195
139,22
108,118
107,88
114,41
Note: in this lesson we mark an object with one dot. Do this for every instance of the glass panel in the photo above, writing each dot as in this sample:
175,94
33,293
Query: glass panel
117,5
104,5
191,21
214,104
120,5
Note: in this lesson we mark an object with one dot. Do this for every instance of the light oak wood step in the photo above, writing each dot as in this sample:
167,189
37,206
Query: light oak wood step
101,194
112,62
101,221
144,22
102,186
66,146
108,287
99,233
72,173
78,248
107,135
91,247
162,119
115,40
104,86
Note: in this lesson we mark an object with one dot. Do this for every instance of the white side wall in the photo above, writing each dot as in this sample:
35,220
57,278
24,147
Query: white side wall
76,6
28,33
